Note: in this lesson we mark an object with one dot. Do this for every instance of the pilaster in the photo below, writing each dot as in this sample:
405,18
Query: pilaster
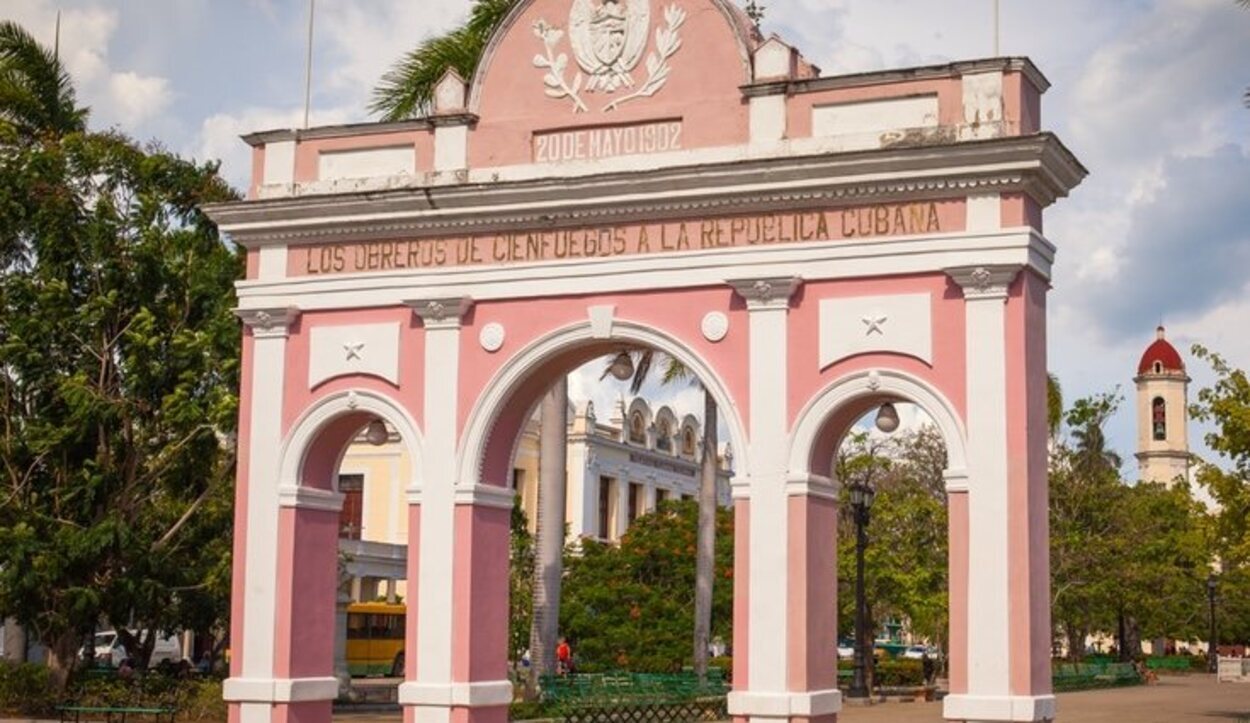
990,654
428,679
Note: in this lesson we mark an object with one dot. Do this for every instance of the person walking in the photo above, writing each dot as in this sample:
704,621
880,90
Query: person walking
564,658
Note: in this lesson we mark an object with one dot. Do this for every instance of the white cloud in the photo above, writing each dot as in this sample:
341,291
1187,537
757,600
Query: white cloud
136,98
115,96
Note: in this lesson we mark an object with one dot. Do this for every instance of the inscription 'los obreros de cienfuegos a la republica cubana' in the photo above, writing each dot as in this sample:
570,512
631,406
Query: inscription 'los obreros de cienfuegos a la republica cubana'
512,247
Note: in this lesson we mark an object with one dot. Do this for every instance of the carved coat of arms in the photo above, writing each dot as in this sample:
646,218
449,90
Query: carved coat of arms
608,38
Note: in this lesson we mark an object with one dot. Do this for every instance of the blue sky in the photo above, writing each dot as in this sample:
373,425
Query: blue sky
1146,92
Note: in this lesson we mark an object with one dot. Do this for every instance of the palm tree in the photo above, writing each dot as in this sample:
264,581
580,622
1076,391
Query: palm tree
709,468
407,89
549,533
36,94
1054,402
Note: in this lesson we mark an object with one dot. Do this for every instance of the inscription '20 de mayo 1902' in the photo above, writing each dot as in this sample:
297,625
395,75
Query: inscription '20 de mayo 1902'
631,239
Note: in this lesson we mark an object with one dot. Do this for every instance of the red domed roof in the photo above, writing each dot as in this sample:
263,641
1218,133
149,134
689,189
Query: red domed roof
1163,352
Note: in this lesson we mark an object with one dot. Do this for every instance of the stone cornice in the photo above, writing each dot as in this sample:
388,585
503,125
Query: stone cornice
1038,165
901,75
347,130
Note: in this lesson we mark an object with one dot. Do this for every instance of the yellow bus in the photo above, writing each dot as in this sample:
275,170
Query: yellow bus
375,639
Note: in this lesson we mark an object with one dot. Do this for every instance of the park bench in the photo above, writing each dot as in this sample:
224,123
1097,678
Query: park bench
114,714
1086,676
636,697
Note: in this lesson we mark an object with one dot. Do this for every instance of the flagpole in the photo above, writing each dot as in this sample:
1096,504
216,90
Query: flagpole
308,63
996,29
56,43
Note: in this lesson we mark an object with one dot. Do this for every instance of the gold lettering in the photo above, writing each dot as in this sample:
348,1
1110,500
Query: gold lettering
737,228
644,243
934,223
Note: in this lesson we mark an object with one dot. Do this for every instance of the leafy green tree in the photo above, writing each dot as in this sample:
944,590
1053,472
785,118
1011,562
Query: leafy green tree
1084,482
631,605
118,365
36,94
906,559
520,583
709,472
1226,406
407,89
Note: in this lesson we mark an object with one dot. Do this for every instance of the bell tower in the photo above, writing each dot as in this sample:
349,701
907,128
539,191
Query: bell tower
1162,413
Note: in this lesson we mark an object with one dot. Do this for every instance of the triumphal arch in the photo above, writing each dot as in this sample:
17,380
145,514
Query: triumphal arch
623,174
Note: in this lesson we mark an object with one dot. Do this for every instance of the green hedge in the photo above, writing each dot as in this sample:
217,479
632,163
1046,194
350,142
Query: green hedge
888,672
899,673
27,690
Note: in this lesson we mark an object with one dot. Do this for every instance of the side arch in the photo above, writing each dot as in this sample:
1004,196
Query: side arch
490,405
327,427
854,394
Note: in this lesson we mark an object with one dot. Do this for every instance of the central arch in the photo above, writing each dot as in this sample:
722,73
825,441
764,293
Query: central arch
518,377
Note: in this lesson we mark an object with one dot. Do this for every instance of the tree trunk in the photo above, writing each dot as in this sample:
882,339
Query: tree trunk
549,534
1076,643
14,642
62,654
705,550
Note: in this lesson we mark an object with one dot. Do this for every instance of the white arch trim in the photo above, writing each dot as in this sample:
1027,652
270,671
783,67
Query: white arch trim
314,419
878,383
513,373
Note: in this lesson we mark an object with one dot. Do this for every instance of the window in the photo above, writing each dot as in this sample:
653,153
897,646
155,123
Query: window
606,489
350,518
1159,419
687,442
664,436
662,495
637,428
635,501
1158,367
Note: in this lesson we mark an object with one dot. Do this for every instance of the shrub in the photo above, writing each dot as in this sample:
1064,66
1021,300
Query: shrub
899,672
195,699
26,689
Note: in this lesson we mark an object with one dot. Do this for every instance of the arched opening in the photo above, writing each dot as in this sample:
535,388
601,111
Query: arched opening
1159,419
346,467
901,500
622,459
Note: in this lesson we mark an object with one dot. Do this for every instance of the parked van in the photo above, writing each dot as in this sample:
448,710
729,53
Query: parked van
110,651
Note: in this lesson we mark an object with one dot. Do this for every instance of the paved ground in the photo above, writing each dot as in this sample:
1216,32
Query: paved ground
1176,699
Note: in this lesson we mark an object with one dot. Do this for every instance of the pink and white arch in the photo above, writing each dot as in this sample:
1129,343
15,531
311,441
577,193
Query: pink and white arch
809,246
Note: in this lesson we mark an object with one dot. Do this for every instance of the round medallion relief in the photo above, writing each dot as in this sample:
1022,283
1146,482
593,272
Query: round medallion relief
715,326
492,336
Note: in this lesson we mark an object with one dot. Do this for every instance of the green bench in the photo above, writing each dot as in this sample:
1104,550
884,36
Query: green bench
1086,676
613,697
114,714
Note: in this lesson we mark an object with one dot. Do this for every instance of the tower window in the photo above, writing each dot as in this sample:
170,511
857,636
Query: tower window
1158,367
1159,419
637,429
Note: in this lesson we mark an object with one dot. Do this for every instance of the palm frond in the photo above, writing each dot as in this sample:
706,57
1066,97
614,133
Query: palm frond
36,93
407,89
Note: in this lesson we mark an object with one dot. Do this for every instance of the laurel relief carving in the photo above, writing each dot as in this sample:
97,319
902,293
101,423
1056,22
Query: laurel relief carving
608,38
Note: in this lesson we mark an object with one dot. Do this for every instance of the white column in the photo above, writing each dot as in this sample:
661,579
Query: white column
989,686
269,328
768,304
441,318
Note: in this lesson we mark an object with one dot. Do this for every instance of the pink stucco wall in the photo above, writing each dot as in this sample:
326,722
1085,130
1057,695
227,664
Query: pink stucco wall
297,397
709,104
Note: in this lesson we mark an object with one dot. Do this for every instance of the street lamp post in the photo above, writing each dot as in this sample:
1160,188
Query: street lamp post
861,502
1213,653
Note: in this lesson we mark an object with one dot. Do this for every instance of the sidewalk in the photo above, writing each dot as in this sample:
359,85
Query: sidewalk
1176,699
